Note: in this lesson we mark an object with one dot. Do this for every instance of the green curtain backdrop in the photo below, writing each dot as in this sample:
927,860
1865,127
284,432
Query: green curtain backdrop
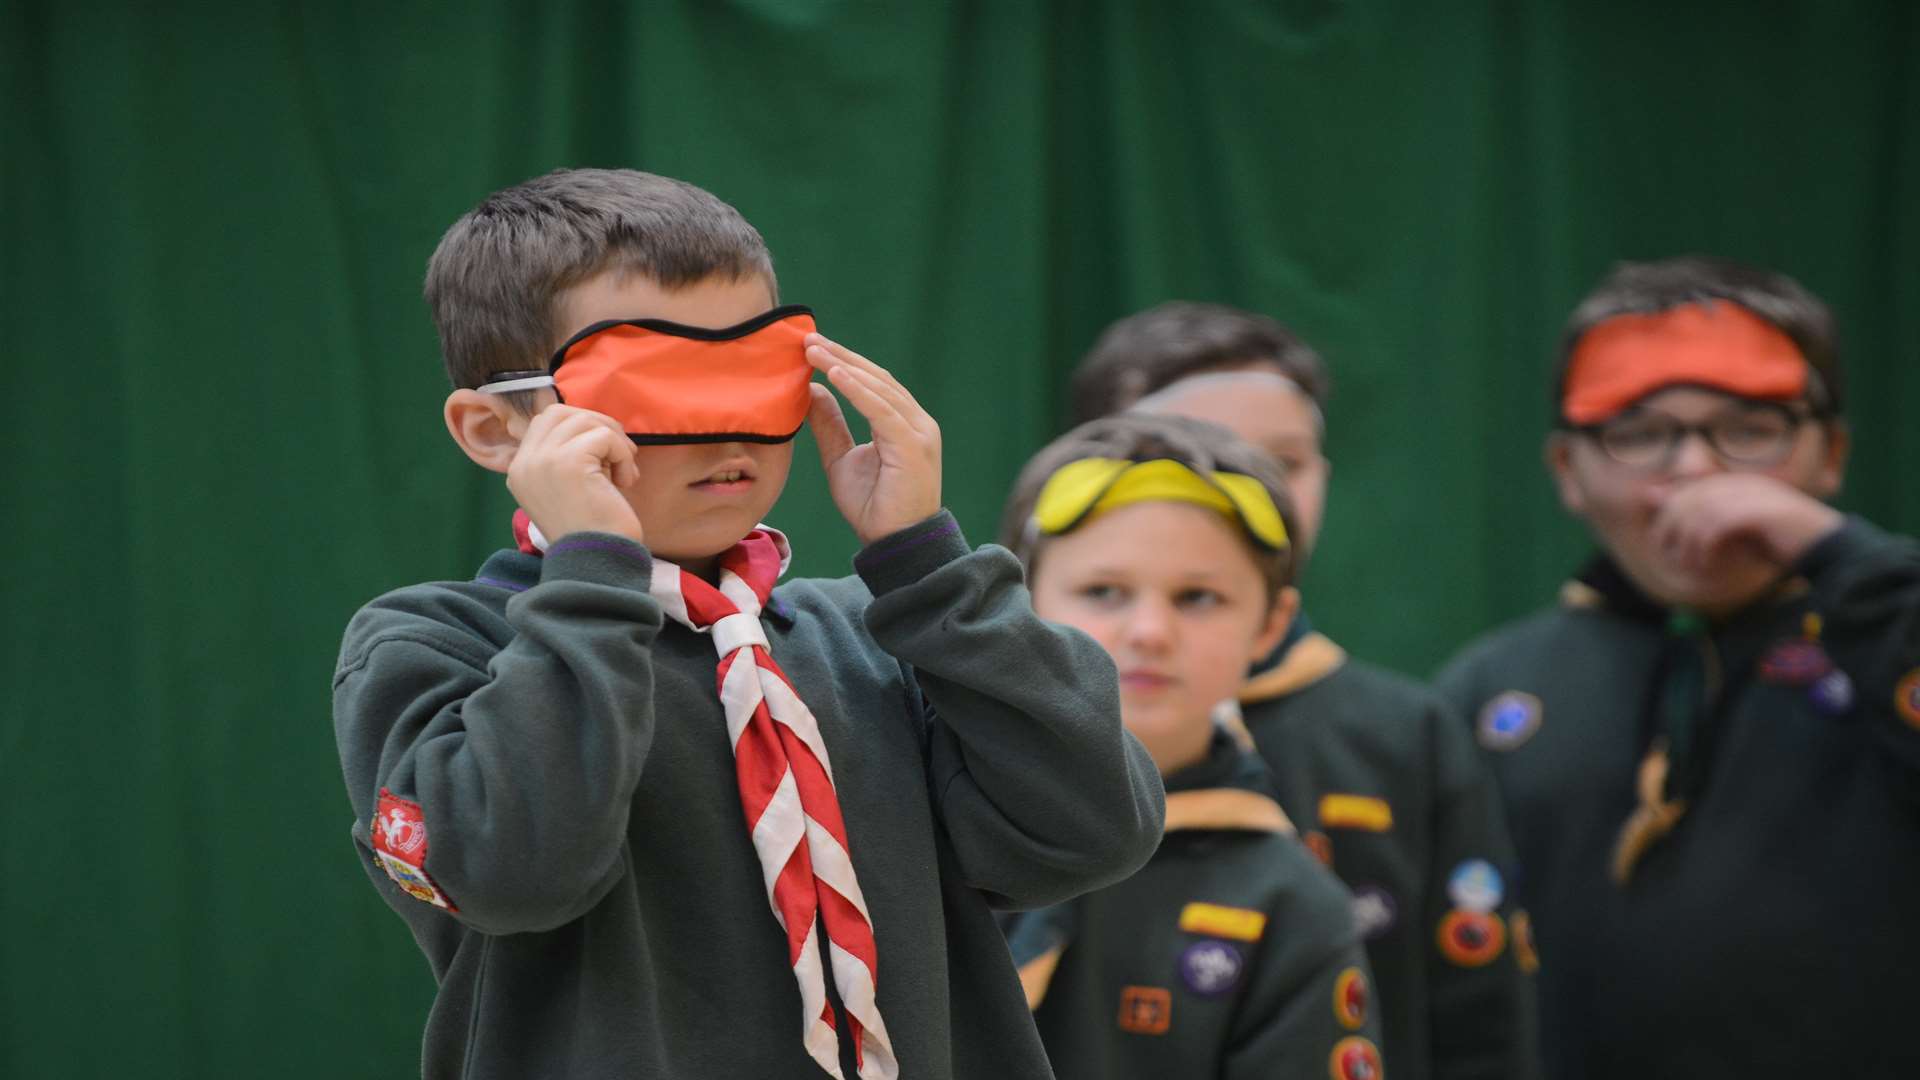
222,435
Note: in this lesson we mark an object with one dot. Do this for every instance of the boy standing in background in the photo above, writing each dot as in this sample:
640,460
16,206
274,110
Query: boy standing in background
1708,749
1376,771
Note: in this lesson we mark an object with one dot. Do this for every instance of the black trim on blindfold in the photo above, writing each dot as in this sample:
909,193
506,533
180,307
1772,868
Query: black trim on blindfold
672,440
696,333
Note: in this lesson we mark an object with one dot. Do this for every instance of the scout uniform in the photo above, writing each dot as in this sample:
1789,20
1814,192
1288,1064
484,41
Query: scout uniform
1230,954
1385,788
544,788
1717,825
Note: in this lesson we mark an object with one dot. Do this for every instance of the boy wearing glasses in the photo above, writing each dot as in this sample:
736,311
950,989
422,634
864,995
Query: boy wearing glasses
1707,750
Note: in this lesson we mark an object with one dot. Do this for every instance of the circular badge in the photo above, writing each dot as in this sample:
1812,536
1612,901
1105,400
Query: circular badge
1211,968
1794,663
1906,698
1476,886
1523,951
1319,845
1350,998
1509,720
1832,693
1374,911
1472,938
1354,1058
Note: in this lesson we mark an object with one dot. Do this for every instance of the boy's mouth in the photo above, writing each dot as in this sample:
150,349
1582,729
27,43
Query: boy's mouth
735,477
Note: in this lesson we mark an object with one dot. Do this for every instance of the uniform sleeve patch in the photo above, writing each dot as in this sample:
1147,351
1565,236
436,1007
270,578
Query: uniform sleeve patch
1476,886
1350,999
400,847
1508,720
1354,1058
1146,1010
1906,698
1237,924
1355,812
1472,938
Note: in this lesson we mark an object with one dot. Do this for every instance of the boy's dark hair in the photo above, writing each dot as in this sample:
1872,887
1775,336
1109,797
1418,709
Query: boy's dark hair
1147,351
1646,288
494,278
1197,444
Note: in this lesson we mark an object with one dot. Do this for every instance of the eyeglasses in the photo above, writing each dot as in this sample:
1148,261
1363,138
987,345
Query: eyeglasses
1759,434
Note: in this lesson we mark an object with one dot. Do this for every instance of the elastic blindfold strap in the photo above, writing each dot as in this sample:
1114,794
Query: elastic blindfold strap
507,382
1086,488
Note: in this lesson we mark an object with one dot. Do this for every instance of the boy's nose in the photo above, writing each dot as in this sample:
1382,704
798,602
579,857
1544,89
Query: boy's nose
1694,457
1149,625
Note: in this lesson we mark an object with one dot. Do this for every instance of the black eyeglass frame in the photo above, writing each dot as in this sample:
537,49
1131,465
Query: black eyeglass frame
1797,415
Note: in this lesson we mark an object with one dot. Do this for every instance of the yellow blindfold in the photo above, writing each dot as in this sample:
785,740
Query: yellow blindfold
1089,487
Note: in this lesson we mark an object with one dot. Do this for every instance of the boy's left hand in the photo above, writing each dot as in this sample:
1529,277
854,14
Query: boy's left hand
892,482
1777,520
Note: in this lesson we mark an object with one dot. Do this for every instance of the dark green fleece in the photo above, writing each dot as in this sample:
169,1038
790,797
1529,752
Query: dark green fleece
1235,1009
1362,731
571,760
1772,932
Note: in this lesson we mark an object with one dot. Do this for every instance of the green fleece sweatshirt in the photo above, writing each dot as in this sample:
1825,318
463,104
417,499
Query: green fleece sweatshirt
1385,783
569,758
1231,955
1771,932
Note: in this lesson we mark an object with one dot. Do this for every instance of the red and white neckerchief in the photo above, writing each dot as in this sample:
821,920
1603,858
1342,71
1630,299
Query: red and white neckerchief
786,789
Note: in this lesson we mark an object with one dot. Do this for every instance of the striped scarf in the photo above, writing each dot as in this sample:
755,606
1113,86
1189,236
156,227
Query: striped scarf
786,789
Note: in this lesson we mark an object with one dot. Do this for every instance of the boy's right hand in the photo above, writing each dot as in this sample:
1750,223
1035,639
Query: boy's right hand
570,473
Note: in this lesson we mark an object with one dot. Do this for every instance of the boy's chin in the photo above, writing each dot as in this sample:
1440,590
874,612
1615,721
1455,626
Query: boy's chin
1717,592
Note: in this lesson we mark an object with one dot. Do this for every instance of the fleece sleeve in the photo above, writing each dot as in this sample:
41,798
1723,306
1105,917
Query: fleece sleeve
1042,792
1307,1012
508,770
1866,587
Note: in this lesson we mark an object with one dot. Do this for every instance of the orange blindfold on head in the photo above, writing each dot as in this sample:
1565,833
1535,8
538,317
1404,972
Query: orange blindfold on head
1715,344
669,383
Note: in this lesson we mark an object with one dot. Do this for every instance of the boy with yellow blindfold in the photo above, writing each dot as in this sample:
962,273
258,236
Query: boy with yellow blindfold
1709,750
1232,953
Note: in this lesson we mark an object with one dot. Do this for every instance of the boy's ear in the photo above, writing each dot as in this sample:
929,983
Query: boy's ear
486,426
1558,454
1286,604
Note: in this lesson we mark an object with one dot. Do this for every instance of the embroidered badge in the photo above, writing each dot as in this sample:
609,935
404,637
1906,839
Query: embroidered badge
400,847
1318,846
1471,938
1238,924
1354,1058
1145,1010
1832,693
1523,951
1211,968
1355,812
1350,999
1906,698
1797,662
1509,720
1476,886
1374,911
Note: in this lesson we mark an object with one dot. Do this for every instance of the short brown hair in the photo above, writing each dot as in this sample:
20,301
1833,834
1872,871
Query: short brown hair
1160,346
1648,288
1199,445
494,278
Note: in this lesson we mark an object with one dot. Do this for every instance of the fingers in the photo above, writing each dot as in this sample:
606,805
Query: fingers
866,394
829,424
826,355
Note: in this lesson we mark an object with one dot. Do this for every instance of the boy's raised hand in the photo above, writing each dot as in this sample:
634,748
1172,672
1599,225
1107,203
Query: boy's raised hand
570,470
892,482
1775,519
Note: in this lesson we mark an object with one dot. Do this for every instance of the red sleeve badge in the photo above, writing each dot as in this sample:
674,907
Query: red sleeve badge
400,847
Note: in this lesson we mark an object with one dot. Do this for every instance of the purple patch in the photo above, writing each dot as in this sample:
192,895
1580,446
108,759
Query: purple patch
1211,968
1794,663
1832,694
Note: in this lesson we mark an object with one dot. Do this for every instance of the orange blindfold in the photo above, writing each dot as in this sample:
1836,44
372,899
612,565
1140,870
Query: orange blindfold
1716,344
669,383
